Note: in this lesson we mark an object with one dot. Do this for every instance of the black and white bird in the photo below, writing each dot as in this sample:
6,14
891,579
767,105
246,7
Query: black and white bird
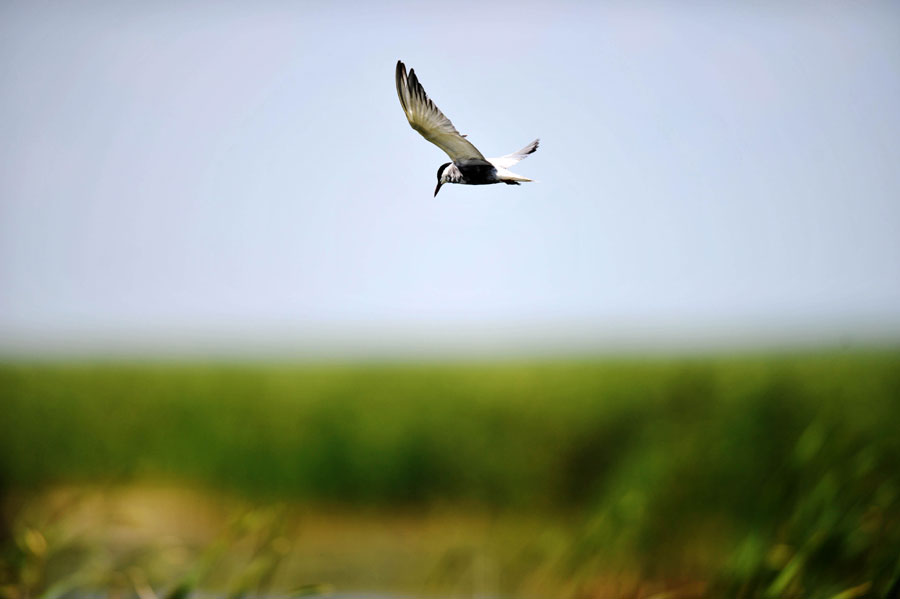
469,166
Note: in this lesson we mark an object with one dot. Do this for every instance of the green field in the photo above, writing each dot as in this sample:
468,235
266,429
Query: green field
756,475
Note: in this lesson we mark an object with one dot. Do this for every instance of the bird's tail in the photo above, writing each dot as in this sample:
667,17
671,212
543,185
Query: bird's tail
512,178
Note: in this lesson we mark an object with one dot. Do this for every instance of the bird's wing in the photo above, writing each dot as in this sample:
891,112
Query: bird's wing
511,159
428,120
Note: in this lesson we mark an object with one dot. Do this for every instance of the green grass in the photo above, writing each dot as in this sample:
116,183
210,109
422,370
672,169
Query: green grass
763,475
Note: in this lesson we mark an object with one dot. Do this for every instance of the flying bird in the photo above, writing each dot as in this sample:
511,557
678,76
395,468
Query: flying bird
468,166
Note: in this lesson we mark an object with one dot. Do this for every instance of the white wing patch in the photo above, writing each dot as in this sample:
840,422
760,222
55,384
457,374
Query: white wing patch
516,157
425,117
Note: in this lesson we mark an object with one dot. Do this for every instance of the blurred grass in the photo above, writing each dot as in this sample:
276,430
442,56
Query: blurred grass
758,475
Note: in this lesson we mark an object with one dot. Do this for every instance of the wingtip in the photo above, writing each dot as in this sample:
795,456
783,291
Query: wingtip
529,149
400,79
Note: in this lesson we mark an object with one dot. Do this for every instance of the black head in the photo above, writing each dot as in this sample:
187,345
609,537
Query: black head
439,173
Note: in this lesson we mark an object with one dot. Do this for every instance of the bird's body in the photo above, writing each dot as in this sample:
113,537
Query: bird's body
468,166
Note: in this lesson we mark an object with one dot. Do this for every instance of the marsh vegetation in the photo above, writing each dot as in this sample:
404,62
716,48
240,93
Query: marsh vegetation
769,475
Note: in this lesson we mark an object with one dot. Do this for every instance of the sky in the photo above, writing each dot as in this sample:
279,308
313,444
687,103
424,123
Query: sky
240,176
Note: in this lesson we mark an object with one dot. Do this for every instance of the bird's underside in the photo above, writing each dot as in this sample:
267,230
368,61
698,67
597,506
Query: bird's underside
477,172
468,166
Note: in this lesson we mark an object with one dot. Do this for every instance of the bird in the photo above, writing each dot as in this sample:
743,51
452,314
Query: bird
468,166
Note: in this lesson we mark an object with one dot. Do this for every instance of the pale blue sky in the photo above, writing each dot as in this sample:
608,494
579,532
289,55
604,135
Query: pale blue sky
238,172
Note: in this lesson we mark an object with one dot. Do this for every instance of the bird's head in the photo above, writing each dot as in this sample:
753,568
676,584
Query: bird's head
442,177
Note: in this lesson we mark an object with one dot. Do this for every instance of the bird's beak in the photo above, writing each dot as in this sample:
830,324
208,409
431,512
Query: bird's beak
438,188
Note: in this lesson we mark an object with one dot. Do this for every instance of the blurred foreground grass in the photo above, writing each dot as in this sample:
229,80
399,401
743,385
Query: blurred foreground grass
751,476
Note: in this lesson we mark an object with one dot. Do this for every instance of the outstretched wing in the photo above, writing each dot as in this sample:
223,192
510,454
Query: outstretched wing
511,159
428,120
